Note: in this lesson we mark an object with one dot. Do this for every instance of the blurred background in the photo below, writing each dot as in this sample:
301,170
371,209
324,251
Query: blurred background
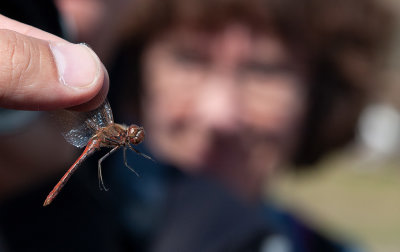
350,194
356,192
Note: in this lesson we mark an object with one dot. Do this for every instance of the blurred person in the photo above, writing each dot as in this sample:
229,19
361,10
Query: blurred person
228,91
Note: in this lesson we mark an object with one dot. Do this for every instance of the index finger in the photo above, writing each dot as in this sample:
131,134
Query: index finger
28,30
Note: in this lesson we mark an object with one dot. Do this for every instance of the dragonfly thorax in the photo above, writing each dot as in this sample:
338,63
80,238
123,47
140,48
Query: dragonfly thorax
135,134
95,129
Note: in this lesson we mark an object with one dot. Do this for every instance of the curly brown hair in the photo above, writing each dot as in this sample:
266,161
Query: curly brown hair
343,42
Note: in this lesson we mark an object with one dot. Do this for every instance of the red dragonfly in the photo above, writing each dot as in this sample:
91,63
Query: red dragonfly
95,129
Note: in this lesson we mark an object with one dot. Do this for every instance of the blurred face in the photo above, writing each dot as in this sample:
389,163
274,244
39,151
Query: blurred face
227,104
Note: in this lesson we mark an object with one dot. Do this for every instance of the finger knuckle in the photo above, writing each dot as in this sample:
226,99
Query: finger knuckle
16,61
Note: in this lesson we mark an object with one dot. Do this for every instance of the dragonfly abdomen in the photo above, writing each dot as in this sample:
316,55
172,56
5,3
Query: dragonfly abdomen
91,147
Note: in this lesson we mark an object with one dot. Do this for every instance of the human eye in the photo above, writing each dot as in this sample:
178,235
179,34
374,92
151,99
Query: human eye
190,56
267,69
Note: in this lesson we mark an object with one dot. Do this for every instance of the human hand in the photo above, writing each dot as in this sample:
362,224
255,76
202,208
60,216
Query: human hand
40,71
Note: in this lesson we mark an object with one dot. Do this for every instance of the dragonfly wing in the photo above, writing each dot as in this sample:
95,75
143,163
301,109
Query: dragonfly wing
101,116
78,137
79,127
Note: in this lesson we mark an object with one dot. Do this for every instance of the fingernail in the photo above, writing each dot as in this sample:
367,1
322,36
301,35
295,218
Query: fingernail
77,64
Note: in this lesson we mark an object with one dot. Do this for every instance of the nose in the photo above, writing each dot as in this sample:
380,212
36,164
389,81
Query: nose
217,103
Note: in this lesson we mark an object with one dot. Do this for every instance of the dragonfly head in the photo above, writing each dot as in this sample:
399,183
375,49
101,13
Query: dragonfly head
135,134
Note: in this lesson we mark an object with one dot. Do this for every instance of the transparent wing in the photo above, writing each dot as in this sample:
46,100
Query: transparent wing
78,127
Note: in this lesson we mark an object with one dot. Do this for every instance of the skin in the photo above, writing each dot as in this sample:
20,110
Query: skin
225,104
30,80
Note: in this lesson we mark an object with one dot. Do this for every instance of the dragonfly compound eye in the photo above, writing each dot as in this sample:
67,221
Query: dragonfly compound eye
136,134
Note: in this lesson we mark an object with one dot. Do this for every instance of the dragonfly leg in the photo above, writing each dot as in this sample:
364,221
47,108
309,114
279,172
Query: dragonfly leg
126,163
101,182
141,154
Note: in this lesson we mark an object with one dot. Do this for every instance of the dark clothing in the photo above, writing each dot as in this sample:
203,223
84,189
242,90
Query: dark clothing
163,210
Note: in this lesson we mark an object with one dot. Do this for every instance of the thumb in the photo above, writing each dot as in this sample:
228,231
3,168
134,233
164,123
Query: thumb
38,74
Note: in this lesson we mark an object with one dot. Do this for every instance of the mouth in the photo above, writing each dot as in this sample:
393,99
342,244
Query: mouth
232,147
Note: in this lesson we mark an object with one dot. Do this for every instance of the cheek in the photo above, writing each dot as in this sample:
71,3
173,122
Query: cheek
277,105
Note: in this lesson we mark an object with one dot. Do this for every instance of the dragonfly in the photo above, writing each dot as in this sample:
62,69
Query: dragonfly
95,130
